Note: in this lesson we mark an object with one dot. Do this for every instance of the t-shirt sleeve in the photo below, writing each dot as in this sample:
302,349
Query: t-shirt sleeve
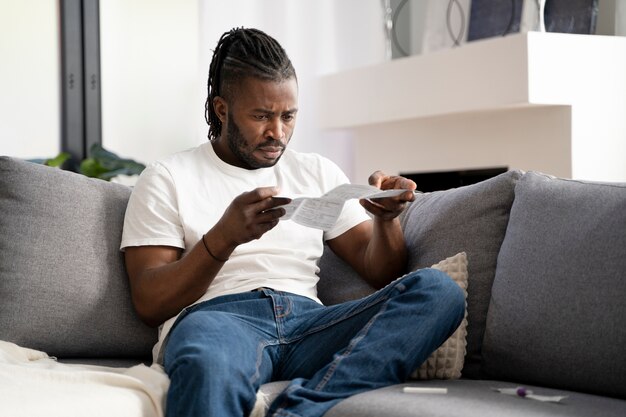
353,212
152,216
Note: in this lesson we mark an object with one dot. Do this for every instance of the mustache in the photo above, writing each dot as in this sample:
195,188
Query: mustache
273,143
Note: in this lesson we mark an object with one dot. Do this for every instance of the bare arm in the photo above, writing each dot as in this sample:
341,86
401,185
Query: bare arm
376,249
163,283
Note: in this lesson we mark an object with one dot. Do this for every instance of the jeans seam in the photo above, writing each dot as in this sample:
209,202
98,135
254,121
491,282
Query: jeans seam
319,328
394,285
286,310
282,413
261,347
353,344
183,313
280,409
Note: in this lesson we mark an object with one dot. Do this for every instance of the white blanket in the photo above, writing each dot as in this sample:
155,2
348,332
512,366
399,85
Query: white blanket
32,384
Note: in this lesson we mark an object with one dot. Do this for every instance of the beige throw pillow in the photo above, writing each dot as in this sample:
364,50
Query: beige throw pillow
447,361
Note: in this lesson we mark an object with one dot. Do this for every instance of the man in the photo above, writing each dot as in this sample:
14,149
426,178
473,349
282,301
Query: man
234,286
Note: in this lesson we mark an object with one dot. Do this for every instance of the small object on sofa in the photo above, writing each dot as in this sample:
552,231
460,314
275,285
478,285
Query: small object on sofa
526,393
424,390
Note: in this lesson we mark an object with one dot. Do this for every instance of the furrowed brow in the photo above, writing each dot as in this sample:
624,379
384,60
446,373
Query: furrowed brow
271,113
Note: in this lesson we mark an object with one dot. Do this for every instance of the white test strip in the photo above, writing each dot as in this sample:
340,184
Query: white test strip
424,390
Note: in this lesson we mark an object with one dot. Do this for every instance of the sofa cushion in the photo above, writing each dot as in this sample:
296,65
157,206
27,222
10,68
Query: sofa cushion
559,298
63,286
471,398
447,361
469,219
338,281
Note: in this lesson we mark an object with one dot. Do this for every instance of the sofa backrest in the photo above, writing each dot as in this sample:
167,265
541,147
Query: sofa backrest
63,285
558,305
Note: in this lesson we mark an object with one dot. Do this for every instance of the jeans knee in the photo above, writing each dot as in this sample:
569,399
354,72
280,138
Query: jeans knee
197,342
451,295
211,364
443,292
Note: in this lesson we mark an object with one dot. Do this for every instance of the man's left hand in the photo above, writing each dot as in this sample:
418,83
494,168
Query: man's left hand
389,208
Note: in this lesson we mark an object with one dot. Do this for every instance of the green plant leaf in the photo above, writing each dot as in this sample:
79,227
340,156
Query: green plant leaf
111,165
58,160
90,167
101,164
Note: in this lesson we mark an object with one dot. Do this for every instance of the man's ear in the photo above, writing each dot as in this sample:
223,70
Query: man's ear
221,108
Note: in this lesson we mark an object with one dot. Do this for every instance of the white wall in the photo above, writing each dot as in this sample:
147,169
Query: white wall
611,17
151,88
154,62
29,78
156,54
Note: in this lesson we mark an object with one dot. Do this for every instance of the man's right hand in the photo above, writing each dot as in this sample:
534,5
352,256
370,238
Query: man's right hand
162,282
248,217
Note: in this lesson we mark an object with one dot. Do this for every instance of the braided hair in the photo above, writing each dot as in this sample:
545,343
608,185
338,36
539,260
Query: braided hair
243,53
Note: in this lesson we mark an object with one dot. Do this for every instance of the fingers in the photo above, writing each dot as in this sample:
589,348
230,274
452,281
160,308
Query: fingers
274,202
389,208
405,183
263,198
376,179
271,212
257,195
384,208
406,197
387,182
252,214
379,211
269,209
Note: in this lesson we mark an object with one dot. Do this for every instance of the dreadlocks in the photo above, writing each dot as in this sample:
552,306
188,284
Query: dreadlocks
243,53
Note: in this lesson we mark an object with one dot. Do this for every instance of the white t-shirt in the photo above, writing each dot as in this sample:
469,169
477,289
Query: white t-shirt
178,199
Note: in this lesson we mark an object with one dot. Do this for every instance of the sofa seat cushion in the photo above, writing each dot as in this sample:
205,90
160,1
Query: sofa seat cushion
63,285
559,298
470,398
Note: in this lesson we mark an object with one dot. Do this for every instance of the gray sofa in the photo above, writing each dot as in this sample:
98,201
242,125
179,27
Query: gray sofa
546,296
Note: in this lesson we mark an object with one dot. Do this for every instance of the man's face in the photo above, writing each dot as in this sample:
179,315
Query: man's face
257,122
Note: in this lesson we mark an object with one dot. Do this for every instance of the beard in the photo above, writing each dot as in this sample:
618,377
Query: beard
244,152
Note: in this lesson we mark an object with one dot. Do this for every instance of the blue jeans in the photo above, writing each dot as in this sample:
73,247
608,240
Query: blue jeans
221,351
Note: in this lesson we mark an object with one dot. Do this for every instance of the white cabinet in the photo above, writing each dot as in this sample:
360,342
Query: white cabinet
550,102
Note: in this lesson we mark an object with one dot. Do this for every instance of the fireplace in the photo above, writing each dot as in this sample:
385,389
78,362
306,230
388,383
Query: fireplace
444,180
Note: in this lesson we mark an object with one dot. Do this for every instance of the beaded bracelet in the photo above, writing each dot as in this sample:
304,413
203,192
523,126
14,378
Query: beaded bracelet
211,253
